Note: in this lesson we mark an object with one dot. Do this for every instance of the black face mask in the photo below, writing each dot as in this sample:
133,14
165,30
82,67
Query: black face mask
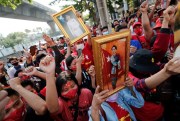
15,64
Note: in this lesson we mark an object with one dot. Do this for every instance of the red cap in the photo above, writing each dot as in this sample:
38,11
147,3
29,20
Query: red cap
136,23
158,24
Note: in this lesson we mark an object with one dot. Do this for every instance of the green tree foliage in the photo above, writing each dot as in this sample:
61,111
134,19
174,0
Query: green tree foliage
12,3
83,5
13,39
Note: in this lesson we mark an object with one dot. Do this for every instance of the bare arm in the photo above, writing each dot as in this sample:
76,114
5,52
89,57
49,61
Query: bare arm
171,68
51,94
40,74
145,21
68,48
38,104
32,71
98,99
79,69
48,65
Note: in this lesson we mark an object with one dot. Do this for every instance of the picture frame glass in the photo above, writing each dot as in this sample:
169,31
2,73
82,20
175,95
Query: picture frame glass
111,58
70,24
113,64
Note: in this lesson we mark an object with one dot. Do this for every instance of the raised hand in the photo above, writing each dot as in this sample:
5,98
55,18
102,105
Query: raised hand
128,82
67,40
15,82
169,13
27,54
30,71
157,2
78,14
48,40
48,65
173,66
80,59
144,7
99,97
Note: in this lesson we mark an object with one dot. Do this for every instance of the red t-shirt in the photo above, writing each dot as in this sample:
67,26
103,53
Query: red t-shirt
121,113
65,112
142,40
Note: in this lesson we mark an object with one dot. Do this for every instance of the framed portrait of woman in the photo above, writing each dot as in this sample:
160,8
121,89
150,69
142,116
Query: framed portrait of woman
111,57
72,26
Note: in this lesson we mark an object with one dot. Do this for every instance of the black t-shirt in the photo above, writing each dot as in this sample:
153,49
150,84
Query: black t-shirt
86,81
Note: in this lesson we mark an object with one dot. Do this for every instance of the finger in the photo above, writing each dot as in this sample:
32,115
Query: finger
97,89
177,70
3,94
104,99
106,95
3,103
174,60
103,92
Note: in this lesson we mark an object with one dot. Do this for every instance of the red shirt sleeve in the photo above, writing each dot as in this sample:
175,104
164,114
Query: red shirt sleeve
161,44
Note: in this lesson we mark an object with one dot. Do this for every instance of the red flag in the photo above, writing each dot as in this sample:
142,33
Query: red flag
106,66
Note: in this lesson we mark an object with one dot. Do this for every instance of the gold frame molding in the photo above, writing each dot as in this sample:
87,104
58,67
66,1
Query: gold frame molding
70,8
97,42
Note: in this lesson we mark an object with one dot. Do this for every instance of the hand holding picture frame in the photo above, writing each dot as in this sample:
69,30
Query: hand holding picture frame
111,57
72,26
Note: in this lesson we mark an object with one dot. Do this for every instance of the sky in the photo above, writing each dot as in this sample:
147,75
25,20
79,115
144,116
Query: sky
15,25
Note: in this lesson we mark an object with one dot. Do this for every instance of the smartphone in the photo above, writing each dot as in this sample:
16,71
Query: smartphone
79,51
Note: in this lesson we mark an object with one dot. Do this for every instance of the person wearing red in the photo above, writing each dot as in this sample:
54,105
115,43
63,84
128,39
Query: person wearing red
164,39
86,49
64,98
15,109
141,66
138,35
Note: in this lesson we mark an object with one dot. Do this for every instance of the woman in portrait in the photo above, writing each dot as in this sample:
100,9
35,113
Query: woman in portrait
115,61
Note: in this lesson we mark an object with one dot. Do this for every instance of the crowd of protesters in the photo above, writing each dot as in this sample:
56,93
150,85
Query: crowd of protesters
56,82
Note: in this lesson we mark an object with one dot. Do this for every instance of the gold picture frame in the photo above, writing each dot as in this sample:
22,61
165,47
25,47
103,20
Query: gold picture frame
72,26
111,57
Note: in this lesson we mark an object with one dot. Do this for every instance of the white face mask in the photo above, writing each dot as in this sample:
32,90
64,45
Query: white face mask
136,19
113,98
80,46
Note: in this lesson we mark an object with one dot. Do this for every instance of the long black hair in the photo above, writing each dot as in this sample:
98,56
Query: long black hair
62,79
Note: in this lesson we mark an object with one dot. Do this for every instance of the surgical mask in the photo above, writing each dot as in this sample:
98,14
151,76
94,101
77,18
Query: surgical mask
105,33
15,64
136,19
71,94
113,98
138,32
80,46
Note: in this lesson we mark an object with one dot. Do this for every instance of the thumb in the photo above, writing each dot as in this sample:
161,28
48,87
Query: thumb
97,89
